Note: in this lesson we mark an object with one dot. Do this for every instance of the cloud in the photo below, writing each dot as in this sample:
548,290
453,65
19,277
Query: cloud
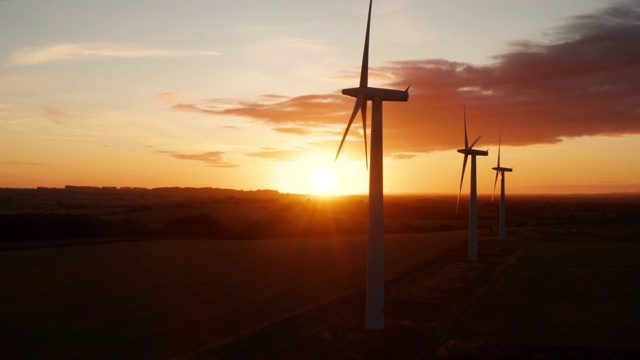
292,130
169,97
301,110
83,51
212,158
404,156
195,108
57,116
277,155
274,96
585,81
315,131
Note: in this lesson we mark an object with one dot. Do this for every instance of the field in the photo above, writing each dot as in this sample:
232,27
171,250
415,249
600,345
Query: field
571,295
549,295
261,274
154,299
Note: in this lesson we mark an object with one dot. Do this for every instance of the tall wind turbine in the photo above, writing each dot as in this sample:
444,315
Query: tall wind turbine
374,318
473,202
501,170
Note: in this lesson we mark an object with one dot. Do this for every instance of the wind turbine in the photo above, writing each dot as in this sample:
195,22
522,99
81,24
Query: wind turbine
501,170
473,202
374,317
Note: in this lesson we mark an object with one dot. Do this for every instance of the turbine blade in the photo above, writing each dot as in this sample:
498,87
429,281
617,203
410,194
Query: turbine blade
364,71
407,89
359,101
466,140
464,166
499,140
363,112
494,184
474,142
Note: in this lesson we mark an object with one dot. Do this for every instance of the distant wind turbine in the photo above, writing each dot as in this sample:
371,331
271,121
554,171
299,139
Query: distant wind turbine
374,318
473,202
501,170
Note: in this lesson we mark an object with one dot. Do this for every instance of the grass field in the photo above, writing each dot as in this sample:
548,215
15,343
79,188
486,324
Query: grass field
568,287
156,299
547,295
577,295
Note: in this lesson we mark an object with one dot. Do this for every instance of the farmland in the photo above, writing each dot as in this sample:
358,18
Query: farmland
255,258
555,295
161,298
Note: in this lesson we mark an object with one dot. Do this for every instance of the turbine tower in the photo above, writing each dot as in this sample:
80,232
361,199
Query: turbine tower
374,318
473,202
501,170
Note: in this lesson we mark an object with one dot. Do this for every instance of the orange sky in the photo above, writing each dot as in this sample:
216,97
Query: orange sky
249,96
586,83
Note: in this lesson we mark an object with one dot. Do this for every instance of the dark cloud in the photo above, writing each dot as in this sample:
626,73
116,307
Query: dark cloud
212,158
583,82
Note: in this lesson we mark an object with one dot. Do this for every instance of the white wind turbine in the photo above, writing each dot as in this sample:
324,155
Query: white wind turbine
473,202
374,318
501,170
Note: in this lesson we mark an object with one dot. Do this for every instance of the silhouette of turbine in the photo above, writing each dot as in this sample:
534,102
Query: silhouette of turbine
501,170
473,202
374,318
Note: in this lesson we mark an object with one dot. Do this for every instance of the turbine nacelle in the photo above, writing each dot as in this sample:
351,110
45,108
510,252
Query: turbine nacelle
364,93
468,150
374,318
499,169
474,152
380,94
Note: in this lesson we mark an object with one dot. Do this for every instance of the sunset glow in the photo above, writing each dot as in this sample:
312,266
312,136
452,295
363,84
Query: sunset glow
246,95
323,181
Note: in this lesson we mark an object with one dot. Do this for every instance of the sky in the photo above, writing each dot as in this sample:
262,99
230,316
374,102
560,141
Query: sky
245,94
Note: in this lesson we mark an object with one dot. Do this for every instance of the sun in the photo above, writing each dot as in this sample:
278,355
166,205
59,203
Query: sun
322,181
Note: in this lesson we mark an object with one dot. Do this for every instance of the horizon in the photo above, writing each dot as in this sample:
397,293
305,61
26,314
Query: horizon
317,195
246,95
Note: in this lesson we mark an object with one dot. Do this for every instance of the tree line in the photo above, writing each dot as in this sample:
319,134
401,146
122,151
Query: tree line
35,226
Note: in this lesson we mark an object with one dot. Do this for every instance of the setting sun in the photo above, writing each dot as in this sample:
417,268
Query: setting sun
144,116
322,181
